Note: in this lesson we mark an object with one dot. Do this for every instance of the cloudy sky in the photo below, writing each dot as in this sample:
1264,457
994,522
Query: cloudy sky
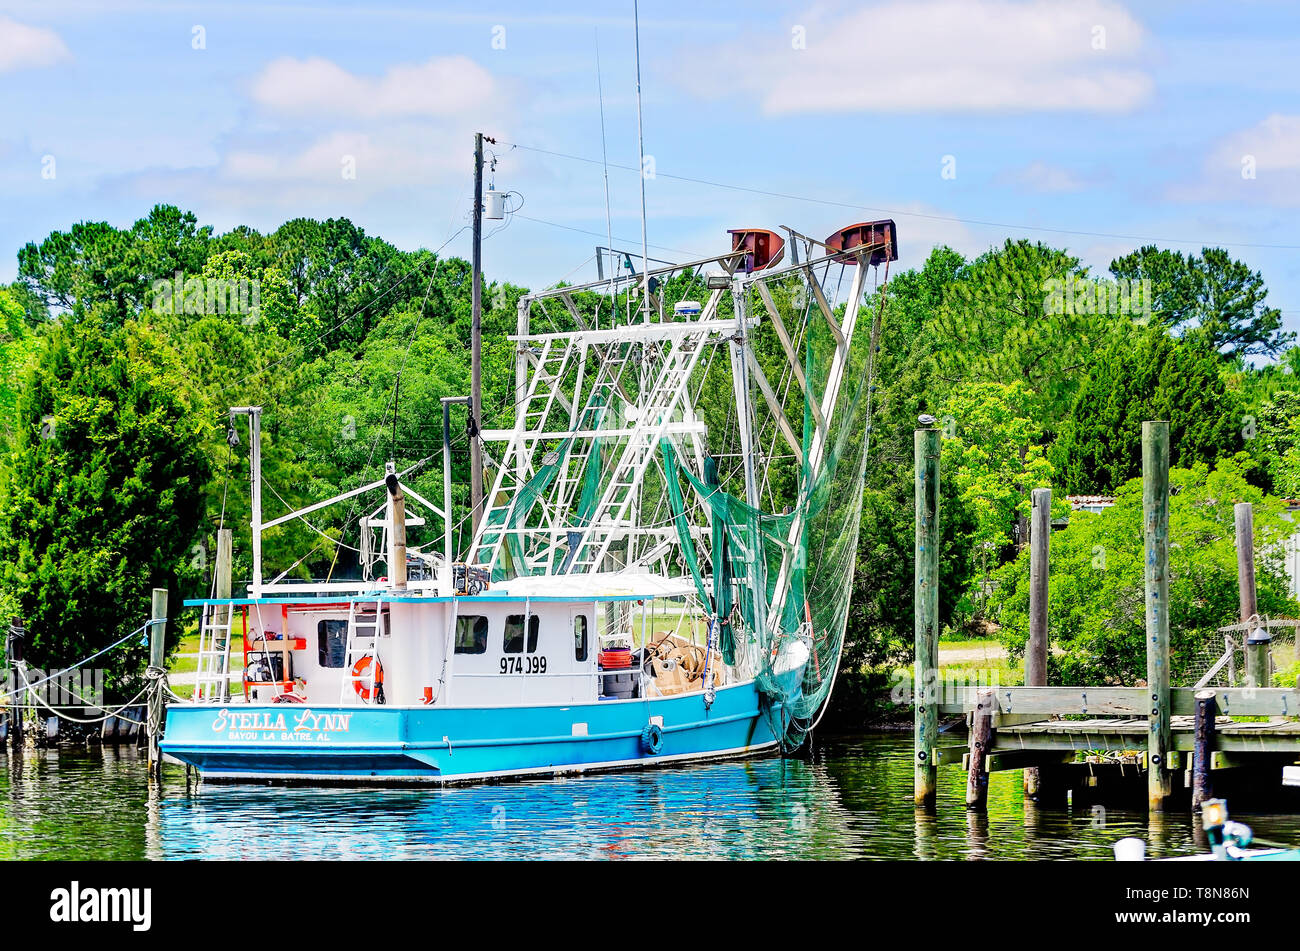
1092,125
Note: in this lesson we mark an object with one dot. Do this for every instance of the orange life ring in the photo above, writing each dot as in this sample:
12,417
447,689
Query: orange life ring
359,672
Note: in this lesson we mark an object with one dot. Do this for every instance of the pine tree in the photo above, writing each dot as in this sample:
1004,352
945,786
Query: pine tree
1140,376
103,498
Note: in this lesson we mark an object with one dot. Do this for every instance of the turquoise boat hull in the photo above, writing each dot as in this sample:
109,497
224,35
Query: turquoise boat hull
369,744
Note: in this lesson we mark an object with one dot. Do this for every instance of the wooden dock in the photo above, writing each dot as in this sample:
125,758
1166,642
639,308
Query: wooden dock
1180,738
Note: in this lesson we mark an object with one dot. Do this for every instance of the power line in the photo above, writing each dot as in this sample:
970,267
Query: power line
597,234
909,214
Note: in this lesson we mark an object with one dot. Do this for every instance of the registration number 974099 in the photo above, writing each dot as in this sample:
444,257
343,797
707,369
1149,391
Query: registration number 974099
529,664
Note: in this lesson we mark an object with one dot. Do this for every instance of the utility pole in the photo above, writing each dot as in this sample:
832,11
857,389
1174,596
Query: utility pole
476,343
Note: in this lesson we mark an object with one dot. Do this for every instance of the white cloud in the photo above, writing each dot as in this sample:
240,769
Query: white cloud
936,55
383,158
1043,177
1258,164
443,86
1274,143
23,47
331,138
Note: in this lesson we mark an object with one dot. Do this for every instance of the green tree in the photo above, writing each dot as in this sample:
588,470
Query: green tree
993,457
880,613
104,494
340,279
1220,296
1143,375
1096,601
1275,441
17,350
995,325
268,297
93,263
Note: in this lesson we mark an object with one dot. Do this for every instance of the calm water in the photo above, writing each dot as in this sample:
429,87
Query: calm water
851,799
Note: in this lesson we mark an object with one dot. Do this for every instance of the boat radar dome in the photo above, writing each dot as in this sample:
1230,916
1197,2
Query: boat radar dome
686,308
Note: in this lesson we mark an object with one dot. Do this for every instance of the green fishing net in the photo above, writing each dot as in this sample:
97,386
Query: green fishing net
779,582
782,583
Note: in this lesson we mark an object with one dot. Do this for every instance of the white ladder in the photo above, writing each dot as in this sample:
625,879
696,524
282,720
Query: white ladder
211,685
550,366
664,398
547,372
573,472
362,627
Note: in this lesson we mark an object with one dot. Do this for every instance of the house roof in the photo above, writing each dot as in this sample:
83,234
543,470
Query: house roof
1083,501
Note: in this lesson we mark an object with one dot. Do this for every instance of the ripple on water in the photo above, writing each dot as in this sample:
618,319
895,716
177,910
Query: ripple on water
850,799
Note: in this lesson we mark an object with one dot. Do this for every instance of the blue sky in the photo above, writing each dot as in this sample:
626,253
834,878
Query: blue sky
1103,124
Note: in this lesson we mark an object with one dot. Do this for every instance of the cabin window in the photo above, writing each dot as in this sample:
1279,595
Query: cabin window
580,637
515,634
332,643
471,634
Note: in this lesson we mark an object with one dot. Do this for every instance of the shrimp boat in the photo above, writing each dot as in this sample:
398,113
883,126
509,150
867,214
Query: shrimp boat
661,567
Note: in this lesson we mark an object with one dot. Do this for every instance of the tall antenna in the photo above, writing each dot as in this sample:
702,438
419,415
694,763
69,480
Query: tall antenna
640,147
604,160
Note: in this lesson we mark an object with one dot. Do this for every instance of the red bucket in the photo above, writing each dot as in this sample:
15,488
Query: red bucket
616,658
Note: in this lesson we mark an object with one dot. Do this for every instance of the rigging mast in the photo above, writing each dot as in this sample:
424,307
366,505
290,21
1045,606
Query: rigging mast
476,342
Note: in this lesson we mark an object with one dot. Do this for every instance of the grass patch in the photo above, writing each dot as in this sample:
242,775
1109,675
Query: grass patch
187,690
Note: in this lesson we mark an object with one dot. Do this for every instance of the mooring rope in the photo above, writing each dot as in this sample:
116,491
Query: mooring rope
81,663
108,716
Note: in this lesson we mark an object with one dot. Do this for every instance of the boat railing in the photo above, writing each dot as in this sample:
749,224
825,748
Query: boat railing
646,682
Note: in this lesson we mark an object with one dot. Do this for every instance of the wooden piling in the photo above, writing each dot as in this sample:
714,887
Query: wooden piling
1040,533
926,615
981,737
1203,748
1244,525
1155,514
157,658
1255,645
18,702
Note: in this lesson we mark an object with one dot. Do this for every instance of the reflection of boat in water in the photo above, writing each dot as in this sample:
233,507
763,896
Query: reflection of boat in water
630,594
769,808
